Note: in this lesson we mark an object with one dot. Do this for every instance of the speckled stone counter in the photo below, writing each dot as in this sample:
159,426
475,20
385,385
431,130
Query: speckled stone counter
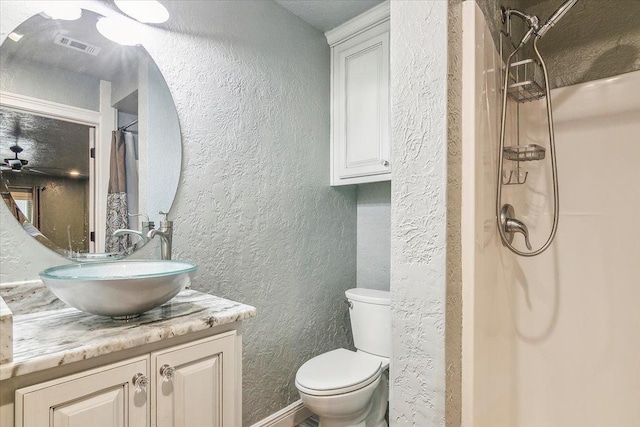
6,332
56,334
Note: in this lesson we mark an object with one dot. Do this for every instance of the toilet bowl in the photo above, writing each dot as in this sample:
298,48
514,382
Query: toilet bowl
346,388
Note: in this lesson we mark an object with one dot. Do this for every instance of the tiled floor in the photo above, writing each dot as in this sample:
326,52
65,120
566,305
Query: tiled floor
309,422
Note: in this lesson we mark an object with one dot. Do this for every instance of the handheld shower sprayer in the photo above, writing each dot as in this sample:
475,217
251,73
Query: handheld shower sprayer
557,15
531,20
533,23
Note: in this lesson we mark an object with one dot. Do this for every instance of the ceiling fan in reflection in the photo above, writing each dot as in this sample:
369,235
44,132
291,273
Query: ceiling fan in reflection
20,165
16,163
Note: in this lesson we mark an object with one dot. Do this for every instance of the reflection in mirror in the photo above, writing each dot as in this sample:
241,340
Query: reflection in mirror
52,180
89,137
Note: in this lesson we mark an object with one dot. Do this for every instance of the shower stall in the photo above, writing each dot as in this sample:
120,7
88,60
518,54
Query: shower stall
553,339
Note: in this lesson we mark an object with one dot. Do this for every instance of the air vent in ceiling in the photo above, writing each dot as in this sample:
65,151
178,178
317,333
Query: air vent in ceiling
74,44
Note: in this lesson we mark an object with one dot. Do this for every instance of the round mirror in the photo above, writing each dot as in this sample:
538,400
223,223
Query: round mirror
89,137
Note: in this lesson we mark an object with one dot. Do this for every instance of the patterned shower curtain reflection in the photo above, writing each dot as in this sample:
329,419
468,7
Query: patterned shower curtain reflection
117,195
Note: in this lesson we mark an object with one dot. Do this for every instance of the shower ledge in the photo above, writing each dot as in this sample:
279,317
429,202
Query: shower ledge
29,308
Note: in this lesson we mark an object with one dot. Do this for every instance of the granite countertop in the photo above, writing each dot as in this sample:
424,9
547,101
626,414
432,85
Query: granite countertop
55,334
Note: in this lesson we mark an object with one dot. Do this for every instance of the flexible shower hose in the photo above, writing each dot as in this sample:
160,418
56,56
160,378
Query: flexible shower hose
554,170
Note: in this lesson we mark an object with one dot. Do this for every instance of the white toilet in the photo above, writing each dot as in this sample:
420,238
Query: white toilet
346,388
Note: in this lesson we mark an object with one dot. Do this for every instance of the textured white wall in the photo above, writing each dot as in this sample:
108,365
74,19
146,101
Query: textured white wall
254,208
374,235
418,217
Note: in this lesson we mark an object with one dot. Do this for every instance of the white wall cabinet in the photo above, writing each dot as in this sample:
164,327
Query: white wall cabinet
360,101
193,384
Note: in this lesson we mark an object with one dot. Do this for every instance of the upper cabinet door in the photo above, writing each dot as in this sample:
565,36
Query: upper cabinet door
360,127
111,396
194,384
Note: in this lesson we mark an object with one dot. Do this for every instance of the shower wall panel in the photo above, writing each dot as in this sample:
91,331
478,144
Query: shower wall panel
576,306
552,340
489,388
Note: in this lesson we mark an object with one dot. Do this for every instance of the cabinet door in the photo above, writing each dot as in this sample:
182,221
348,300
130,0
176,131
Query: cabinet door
104,397
194,384
361,140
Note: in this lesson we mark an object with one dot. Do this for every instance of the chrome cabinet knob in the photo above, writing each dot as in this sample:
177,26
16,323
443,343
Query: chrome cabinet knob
385,163
140,382
167,372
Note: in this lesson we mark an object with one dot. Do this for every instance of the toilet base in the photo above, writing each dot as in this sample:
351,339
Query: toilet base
373,414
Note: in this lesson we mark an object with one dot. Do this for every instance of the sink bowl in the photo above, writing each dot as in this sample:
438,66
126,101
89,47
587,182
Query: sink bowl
119,289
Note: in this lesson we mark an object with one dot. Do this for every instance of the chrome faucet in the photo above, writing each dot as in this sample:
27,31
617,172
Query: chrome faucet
146,226
165,232
511,225
122,231
140,234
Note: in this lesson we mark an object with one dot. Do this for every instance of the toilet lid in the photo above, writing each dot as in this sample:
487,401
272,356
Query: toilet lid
337,371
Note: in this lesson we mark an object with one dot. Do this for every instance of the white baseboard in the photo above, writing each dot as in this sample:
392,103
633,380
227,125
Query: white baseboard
290,416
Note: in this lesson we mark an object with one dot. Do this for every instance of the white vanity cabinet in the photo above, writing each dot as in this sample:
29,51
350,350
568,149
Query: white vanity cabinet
360,100
193,384
104,397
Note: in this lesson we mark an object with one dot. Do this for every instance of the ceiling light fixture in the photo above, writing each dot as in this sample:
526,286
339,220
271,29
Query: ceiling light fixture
15,36
74,173
118,30
145,11
64,10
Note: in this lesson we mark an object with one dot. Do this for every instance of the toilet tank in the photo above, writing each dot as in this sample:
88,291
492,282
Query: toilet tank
370,315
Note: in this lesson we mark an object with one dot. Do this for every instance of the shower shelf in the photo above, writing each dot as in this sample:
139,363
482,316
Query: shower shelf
525,81
524,153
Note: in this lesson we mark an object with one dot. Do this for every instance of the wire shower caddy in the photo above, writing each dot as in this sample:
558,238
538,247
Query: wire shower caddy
526,82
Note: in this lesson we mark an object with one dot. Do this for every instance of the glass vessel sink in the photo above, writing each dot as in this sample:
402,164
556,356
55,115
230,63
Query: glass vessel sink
119,289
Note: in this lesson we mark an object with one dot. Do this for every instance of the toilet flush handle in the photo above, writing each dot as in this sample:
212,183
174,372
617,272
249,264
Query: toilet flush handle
349,303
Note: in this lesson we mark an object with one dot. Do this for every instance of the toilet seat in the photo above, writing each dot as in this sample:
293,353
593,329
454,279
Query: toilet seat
337,372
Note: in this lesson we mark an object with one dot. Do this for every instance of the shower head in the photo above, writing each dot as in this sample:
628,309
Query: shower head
531,21
557,15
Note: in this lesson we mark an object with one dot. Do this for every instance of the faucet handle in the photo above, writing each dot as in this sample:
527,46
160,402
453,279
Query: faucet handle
165,223
511,225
